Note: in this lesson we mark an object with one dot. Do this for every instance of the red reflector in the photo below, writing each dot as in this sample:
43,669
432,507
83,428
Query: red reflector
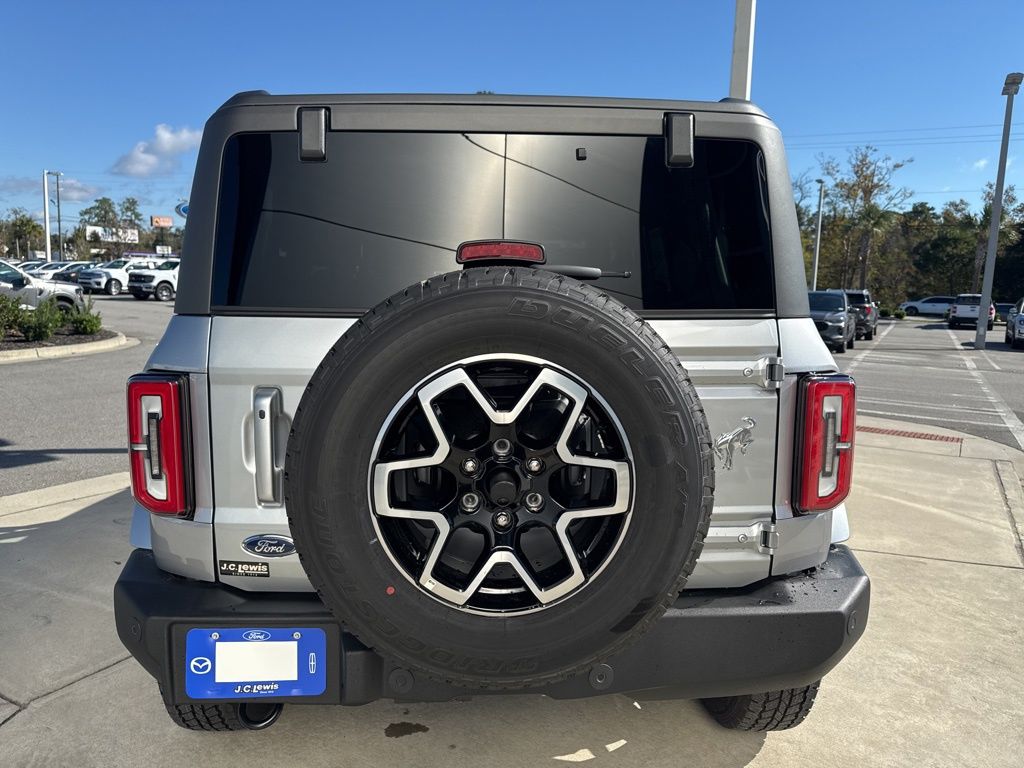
158,443
825,429
478,250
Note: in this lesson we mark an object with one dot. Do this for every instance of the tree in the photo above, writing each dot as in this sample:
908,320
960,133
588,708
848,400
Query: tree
20,232
1009,234
863,200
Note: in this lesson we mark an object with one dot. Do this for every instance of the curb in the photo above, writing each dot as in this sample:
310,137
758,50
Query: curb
67,350
59,494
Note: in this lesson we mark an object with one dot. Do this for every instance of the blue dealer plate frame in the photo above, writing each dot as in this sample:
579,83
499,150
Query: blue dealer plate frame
201,663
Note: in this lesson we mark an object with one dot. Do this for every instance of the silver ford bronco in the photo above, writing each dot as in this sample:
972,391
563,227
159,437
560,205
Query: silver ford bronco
468,395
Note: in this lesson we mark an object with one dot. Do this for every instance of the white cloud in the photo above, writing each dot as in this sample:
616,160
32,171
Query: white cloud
979,165
75,191
159,155
11,186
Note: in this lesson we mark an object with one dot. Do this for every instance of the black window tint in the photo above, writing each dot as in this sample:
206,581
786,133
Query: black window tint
825,302
968,300
388,209
858,297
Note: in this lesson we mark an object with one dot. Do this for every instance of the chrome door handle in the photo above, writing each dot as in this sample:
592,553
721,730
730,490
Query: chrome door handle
266,411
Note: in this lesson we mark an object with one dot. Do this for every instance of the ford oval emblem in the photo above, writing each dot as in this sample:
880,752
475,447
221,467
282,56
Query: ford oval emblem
256,634
269,545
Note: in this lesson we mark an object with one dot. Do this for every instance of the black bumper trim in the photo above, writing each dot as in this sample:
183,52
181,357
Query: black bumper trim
780,633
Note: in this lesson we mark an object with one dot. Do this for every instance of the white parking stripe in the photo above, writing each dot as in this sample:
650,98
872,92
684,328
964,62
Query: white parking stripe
1009,418
990,360
907,403
856,361
929,417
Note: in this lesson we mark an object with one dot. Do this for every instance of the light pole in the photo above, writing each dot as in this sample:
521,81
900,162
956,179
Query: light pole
817,235
46,212
1010,88
742,50
60,231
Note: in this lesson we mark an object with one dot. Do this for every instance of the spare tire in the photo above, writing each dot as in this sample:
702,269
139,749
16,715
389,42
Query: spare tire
499,477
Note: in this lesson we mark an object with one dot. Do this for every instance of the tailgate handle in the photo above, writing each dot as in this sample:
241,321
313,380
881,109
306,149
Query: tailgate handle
266,412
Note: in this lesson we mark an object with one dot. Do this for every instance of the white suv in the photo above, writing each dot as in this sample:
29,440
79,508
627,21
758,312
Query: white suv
112,277
161,281
965,311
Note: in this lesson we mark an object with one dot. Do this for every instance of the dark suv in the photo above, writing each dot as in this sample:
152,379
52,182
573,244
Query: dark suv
866,311
468,395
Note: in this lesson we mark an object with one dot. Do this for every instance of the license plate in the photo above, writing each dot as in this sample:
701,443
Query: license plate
255,662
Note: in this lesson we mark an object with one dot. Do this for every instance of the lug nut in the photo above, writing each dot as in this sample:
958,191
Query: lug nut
534,465
502,520
470,466
470,502
502,448
534,501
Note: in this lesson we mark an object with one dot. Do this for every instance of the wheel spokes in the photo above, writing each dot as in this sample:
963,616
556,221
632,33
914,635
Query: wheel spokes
500,556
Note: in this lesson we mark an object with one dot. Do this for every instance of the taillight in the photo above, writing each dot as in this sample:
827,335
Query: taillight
158,442
825,429
481,250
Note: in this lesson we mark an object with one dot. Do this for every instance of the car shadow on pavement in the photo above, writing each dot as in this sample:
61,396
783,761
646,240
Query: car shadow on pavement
60,658
9,459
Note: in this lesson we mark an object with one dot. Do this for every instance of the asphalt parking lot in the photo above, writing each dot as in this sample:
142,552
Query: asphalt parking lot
63,420
919,370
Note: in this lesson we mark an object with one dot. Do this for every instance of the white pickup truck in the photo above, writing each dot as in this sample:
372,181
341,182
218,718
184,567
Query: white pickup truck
161,281
965,311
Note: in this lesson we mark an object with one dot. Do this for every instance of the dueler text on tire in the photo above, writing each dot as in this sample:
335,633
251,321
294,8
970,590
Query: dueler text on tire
499,477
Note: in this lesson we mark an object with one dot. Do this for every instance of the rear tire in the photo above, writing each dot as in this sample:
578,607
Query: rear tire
164,292
990,324
850,343
113,287
869,335
912,311
248,716
771,711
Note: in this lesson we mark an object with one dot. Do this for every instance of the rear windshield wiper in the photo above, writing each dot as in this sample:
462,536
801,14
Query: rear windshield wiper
581,272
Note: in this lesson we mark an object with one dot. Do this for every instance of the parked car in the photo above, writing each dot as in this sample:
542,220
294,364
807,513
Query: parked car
1002,311
62,271
932,305
866,312
113,276
464,463
30,291
1014,334
834,318
965,311
161,281
47,269
70,273
25,266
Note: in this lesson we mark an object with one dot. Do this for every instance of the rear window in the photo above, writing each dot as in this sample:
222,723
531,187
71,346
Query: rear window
825,302
388,209
969,300
858,297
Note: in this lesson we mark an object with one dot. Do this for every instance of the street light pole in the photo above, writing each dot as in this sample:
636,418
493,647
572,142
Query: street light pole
817,236
742,50
46,212
1010,88
60,231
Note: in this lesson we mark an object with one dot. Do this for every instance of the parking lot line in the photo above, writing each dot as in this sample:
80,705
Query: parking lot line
990,360
929,417
957,408
860,356
1013,424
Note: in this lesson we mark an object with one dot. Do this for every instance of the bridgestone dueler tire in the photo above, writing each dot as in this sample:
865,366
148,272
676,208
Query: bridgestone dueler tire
454,317
771,711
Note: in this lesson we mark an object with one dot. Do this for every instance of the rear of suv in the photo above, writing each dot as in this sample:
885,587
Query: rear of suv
866,312
468,395
965,311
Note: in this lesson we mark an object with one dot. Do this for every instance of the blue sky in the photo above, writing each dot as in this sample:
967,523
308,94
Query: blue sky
115,94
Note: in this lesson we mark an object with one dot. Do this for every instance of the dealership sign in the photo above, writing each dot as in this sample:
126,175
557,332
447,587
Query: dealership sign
161,222
181,209
110,235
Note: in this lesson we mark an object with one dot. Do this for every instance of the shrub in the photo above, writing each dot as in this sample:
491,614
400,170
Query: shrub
39,324
884,312
899,314
10,315
85,321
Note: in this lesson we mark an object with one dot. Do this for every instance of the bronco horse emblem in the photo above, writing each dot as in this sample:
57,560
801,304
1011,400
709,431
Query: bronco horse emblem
727,442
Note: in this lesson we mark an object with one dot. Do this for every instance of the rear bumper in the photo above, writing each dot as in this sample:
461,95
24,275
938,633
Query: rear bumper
781,633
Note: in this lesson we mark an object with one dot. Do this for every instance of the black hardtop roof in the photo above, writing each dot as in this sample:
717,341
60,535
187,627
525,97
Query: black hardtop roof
262,98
